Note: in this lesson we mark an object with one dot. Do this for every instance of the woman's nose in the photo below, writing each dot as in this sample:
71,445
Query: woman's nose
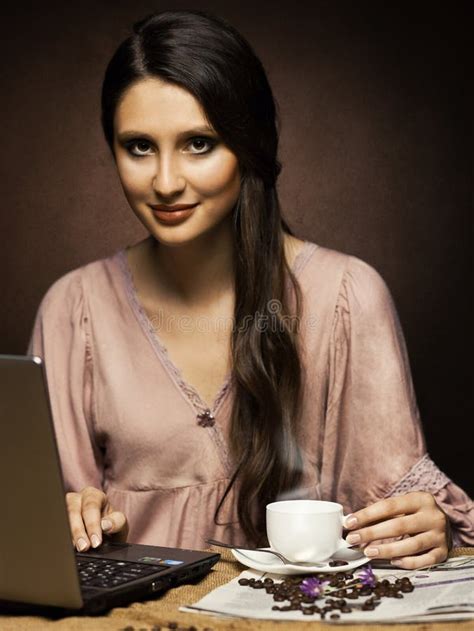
167,181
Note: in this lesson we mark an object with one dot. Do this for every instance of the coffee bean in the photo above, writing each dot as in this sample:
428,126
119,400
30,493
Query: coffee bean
334,616
337,563
243,581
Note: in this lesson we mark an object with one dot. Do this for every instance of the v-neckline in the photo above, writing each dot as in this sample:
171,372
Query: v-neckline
189,392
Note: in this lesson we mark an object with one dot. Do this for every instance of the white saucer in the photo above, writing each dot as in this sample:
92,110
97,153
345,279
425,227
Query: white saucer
272,564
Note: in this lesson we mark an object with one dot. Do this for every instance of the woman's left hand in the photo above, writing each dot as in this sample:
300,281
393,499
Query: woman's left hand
415,514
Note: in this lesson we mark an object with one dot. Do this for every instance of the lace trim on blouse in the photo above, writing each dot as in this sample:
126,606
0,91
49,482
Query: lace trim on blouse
423,476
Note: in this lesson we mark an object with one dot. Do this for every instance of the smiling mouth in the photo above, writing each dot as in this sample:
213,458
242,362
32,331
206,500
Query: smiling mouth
173,216
172,209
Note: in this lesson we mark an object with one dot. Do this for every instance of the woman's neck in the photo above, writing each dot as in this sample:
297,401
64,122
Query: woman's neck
195,273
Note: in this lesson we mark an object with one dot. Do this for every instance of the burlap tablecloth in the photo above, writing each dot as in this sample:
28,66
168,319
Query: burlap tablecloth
151,615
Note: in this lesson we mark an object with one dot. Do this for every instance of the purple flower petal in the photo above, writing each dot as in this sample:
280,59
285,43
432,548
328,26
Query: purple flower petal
367,577
313,587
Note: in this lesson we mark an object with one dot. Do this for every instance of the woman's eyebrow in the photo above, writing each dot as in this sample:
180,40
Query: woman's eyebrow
130,134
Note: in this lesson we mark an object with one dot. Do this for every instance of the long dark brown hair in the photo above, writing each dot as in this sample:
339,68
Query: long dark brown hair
207,57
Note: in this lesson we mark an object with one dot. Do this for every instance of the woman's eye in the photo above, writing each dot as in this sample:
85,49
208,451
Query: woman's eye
202,145
139,147
198,145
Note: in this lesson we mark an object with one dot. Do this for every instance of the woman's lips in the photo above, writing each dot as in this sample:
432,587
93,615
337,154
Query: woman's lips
173,216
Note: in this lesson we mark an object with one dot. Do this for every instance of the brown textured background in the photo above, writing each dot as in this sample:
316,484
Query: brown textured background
374,146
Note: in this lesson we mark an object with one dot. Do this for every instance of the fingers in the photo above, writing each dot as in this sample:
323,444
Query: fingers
398,526
436,555
85,511
389,507
427,517
93,502
409,546
79,535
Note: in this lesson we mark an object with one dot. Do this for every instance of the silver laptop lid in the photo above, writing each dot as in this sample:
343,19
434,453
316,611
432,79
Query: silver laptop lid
37,558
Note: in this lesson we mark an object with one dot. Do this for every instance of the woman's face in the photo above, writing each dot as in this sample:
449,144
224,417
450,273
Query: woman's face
167,154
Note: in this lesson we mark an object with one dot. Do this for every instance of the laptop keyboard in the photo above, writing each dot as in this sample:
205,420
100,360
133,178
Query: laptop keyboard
107,573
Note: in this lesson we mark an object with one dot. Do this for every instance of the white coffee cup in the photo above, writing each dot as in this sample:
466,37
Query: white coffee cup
305,530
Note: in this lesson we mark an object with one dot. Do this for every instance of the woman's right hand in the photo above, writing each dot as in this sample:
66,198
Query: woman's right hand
90,515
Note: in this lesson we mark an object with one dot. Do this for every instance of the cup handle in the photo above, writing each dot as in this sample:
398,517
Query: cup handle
342,545
342,542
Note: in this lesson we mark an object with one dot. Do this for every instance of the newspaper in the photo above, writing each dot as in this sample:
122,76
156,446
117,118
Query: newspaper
442,592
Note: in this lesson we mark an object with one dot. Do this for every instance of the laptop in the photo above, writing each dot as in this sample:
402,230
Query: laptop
40,570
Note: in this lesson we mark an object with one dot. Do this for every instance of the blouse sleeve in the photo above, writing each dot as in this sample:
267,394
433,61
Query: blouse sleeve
61,338
373,441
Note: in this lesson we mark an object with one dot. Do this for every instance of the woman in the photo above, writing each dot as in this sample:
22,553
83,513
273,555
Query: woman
222,363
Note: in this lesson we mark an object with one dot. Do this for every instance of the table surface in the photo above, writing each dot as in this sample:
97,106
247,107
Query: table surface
159,613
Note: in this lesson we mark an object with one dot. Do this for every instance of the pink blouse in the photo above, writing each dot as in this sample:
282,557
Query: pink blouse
127,421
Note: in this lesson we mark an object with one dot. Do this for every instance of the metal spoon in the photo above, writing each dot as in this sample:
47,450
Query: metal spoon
283,559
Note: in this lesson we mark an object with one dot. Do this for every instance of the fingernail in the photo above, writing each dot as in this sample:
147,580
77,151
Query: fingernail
399,563
81,544
106,524
353,538
95,541
371,552
351,521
